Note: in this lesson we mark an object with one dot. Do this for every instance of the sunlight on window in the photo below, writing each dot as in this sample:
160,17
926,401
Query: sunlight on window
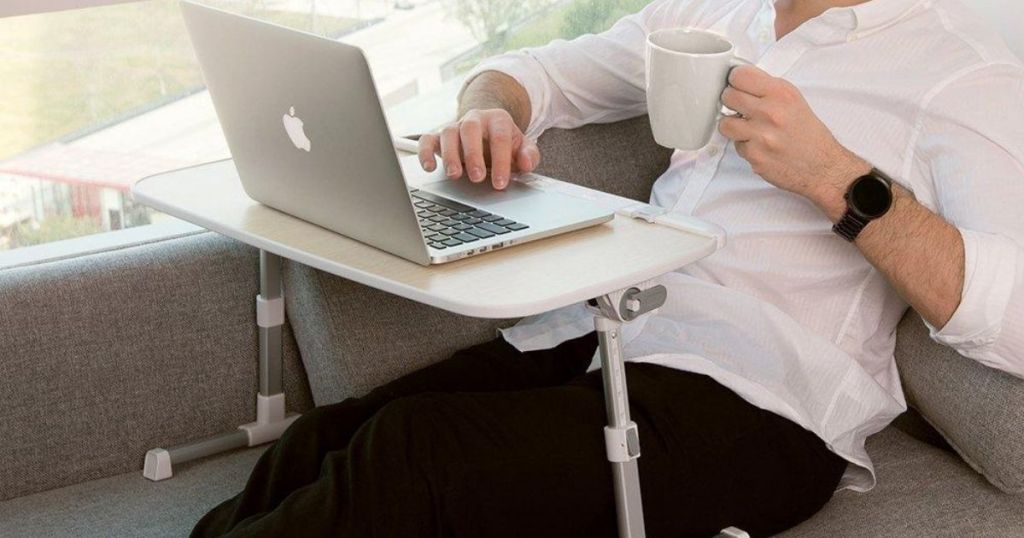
97,98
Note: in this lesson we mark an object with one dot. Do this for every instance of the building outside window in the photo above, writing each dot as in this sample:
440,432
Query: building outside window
93,99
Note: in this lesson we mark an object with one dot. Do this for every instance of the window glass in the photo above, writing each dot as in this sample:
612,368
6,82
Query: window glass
94,99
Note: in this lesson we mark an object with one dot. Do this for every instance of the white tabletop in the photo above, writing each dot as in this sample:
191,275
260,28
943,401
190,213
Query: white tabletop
519,281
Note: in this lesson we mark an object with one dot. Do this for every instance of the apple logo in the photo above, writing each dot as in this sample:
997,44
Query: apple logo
296,132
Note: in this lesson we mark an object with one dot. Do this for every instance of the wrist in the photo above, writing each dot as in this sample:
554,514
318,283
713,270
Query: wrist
830,197
492,90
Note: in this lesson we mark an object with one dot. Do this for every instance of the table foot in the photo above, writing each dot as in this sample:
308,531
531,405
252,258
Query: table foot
271,422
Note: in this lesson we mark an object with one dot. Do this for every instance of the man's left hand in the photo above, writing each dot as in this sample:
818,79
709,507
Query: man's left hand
785,142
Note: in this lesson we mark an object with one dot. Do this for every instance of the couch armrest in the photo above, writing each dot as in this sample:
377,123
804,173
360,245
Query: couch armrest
979,410
107,355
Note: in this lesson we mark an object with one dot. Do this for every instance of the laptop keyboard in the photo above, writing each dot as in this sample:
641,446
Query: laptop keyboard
447,223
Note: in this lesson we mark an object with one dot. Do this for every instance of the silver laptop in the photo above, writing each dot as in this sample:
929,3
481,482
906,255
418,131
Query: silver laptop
309,138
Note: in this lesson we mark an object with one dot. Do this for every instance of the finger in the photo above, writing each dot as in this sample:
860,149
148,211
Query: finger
736,129
528,156
450,154
471,136
751,80
502,144
428,145
739,101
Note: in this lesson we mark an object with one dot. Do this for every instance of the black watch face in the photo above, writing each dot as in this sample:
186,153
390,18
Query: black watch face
871,197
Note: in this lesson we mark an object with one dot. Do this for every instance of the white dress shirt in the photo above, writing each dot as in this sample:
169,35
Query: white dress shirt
788,315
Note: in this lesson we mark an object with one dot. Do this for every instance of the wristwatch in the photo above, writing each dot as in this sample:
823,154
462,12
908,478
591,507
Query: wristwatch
867,199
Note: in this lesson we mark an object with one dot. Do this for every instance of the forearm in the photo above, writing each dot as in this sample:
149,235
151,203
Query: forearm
493,89
920,254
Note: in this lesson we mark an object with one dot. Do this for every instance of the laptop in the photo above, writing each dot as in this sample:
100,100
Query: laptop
309,137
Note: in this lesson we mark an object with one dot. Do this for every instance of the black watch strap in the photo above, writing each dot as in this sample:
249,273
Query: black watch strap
849,226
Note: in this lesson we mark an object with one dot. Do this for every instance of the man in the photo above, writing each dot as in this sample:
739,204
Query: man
755,386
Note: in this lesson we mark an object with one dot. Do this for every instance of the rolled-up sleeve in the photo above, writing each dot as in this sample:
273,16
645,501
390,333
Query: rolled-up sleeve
595,78
972,142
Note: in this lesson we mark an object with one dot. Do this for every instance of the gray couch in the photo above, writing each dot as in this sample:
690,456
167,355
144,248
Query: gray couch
107,355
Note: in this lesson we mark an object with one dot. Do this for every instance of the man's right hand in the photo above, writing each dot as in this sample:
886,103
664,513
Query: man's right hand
482,136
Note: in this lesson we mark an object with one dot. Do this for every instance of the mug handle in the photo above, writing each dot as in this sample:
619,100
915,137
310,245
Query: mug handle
734,62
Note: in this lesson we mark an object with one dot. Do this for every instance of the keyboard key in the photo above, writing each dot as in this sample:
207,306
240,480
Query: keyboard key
438,218
449,222
460,216
436,227
465,238
472,220
492,218
451,242
437,245
423,213
516,226
450,231
492,228
504,222
440,200
425,222
483,234
448,212
478,214
430,236
461,226
423,204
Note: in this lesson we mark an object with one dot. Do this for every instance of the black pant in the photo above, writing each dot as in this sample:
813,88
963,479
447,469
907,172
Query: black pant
494,442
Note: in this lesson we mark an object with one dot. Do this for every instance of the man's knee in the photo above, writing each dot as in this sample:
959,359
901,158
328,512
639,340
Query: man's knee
411,418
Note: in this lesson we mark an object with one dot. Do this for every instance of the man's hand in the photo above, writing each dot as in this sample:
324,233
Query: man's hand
480,137
785,142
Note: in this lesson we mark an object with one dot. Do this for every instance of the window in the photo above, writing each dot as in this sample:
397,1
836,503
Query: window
96,98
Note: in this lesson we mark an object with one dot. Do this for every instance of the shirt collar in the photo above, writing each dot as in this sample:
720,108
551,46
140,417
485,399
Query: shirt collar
878,14
849,23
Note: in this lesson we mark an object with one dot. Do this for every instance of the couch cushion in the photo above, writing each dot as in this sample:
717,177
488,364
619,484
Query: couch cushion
128,504
921,491
978,409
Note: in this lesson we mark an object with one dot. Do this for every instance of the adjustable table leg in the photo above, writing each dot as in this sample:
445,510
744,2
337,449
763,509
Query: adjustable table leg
622,442
271,418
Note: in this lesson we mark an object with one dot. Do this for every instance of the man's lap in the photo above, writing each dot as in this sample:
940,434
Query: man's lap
527,455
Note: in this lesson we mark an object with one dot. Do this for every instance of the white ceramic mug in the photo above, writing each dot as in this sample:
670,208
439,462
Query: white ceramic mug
687,71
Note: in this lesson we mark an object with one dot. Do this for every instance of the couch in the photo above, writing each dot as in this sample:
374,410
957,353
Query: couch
109,354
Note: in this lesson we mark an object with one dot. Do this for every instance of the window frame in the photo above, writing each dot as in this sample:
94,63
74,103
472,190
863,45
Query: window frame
14,8
113,239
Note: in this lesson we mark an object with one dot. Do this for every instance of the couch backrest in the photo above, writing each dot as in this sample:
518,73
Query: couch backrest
621,158
107,355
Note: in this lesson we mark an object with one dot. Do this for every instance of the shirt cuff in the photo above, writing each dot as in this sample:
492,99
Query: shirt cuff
528,72
990,274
